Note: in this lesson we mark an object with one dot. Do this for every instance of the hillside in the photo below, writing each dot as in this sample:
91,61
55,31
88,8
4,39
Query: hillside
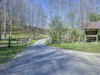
25,32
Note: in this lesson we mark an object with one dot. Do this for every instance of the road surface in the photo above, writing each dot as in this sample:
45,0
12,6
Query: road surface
39,59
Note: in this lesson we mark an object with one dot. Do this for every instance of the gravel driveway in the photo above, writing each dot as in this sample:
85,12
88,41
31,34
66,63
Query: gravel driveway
39,59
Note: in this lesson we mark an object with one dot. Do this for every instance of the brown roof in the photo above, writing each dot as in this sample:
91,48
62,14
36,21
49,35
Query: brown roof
91,25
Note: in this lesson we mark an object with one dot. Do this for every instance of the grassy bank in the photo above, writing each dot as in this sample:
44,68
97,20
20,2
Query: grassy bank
24,35
8,53
20,36
84,47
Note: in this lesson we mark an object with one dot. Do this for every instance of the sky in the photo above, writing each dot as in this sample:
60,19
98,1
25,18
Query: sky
43,4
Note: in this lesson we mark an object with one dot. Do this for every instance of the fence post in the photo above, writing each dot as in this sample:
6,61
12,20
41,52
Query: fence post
25,41
30,40
36,35
22,41
9,41
17,41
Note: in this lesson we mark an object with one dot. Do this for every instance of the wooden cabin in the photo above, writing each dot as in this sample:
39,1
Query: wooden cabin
91,31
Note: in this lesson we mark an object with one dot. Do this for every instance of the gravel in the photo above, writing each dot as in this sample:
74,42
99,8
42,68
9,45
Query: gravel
39,59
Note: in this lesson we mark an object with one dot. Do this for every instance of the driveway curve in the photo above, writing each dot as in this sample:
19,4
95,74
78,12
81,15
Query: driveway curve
39,59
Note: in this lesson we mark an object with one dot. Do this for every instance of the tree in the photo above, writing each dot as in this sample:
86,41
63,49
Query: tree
5,19
0,19
59,10
94,17
21,15
55,29
95,5
50,8
74,35
71,18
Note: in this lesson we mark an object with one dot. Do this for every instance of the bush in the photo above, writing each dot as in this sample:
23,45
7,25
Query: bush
74,35
56,29
14,52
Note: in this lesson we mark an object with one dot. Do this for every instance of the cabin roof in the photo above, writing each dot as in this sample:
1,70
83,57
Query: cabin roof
91,25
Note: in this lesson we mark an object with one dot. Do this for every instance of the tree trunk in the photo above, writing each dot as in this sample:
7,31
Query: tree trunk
11,29
80,37
59,9
78,13
5,21
0,30
59,17
96,11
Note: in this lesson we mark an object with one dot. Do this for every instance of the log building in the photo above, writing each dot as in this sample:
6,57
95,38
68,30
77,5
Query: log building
91,30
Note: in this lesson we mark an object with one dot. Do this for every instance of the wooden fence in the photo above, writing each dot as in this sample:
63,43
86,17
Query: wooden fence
17,41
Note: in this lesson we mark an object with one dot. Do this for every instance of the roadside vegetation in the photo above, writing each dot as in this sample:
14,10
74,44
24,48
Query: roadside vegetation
84,47
21,34
40,36
72,38
8,53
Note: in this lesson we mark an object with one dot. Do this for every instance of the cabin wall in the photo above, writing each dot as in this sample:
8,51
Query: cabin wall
91,34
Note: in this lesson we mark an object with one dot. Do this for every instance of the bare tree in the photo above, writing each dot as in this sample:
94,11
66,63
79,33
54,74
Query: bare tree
0,19
95,5
59,9
5,19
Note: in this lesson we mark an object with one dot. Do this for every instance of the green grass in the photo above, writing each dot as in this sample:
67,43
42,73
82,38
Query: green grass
84,47
8,53
24,35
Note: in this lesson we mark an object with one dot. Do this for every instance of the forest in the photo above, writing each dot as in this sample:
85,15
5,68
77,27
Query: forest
67,21
21,18
61,20
67,18
35,16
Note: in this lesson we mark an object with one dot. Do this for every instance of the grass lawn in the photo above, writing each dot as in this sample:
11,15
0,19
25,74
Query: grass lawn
85,47
8,53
